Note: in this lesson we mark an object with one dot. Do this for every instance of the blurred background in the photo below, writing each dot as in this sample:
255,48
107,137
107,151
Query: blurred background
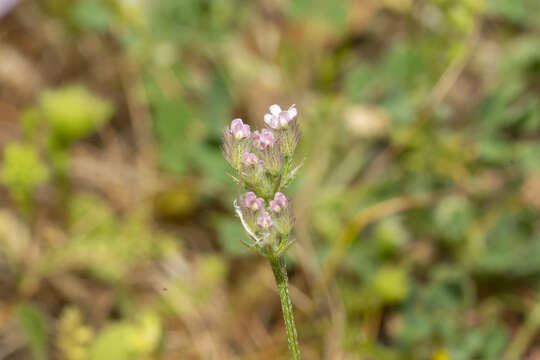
417,207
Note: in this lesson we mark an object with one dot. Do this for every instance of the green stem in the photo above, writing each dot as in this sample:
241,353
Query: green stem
280,274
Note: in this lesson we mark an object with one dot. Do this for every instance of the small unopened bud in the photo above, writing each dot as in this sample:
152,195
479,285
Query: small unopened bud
264,221
240,130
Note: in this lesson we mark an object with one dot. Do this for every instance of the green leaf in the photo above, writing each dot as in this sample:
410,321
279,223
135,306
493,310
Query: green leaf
34,326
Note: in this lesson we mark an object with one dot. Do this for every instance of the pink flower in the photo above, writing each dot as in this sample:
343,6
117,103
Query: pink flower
249,159
279,119
252,202
279,203
264,221
239,129
263,139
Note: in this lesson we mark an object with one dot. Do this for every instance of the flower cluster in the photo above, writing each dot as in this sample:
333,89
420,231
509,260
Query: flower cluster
264,166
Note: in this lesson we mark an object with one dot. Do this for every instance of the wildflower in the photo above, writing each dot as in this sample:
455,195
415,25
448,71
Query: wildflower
264,139
279,203
249,159
264,221
280,119
252,202
263,161
239,129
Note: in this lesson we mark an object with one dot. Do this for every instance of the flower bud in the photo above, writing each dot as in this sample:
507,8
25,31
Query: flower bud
240,130
264,221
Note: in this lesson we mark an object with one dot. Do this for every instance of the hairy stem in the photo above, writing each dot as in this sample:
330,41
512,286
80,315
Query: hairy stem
280,274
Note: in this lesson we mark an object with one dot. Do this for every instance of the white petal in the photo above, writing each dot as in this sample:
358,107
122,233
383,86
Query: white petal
268,118
274,123
292,112
275,109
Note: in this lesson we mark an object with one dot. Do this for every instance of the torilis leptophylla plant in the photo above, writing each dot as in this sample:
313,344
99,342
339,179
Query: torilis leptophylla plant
263,161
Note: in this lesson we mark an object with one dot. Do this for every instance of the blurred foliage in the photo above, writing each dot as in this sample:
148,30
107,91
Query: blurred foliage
103,245
33,324
417,207
73,335
135,340
22,172
73,112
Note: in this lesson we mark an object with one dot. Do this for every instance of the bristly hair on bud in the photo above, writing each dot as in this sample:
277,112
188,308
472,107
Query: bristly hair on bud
230,149
289,138
272,159
264,166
